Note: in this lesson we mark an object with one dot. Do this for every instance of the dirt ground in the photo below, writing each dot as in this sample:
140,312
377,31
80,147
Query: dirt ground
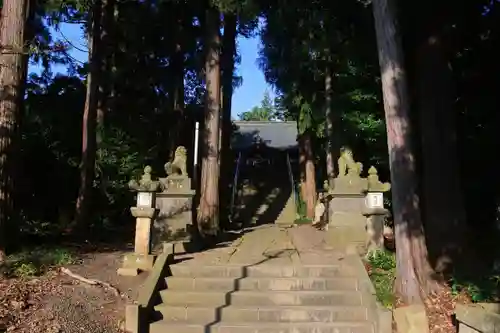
57,303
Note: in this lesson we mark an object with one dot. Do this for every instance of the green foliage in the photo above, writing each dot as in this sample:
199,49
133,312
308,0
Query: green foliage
295,57
266,111
302,41
138,120
33,262
479,288
381,268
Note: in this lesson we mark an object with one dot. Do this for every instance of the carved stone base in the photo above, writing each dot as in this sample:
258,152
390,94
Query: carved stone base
140,262
345,238
127,271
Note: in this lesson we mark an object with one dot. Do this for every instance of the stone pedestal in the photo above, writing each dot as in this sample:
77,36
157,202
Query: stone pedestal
346,220
175,218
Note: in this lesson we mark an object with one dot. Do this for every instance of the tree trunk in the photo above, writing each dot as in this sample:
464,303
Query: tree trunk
442,194
208,210
87,164
308,173
29,32
12,61
106,75
331,132
413,269
177,93
227,61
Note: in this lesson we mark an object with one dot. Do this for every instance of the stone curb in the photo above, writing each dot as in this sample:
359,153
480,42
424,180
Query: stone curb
137,315
382,315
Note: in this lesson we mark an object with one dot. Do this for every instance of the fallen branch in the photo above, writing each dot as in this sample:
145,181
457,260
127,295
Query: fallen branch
93,282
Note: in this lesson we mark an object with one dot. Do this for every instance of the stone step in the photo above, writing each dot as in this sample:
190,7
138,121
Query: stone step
263,284
338,327
270,298
289,212
206,315
263,270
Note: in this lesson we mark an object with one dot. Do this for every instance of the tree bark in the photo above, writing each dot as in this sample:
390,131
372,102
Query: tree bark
413,274
106,74
331,132
177,93
12,62
87,164
443,206
308,173
208,210
227,61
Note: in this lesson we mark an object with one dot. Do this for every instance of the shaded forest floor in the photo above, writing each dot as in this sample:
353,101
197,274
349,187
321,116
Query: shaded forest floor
38,297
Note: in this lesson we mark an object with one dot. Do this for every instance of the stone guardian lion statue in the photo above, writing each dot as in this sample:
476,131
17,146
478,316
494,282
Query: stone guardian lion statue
347,165
179,164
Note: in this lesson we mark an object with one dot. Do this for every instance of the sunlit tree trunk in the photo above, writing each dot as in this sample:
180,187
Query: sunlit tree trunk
208,210
12,62
443,206
87,164
227,61
413,269
308,173
331,127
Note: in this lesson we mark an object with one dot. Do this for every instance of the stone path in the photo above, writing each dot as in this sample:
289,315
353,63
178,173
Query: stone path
271,244
270,280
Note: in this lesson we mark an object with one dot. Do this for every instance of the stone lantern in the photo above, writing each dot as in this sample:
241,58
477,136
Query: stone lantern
144,212
375,212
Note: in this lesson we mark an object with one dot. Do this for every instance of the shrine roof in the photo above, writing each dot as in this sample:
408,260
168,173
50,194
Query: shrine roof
274,134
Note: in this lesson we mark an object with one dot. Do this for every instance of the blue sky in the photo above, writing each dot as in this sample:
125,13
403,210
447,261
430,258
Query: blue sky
248,95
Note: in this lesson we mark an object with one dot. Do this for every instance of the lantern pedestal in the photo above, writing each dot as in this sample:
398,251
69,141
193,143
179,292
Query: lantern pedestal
375,217
141,259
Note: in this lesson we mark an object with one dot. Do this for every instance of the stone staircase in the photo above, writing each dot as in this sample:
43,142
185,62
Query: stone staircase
289,213
263,298
253,206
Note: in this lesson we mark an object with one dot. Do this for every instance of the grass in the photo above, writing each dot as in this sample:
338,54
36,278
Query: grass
303,220
381,267
35,262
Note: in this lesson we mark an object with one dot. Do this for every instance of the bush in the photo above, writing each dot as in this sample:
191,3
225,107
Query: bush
381,267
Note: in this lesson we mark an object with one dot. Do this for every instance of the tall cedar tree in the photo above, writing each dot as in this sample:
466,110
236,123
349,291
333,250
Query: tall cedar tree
413,269
87,164
227,63
208,210
12,62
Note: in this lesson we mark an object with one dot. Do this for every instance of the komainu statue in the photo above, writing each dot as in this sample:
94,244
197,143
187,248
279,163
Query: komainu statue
178,165
347,165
